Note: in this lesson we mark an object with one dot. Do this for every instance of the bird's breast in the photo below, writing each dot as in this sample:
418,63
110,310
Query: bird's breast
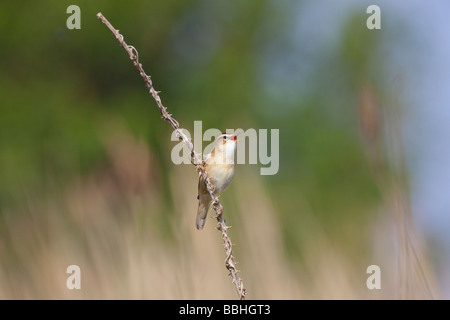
220,175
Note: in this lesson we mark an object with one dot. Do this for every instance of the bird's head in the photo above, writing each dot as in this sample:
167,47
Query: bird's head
225,147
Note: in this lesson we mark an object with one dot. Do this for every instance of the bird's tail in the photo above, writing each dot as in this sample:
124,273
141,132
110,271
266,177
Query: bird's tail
203,206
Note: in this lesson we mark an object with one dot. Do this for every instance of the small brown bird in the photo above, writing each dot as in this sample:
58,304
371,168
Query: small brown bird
219,165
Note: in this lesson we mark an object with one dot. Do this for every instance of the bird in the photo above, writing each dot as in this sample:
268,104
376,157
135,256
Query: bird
219,165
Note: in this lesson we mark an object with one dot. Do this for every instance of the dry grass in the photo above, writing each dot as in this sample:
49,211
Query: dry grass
110,225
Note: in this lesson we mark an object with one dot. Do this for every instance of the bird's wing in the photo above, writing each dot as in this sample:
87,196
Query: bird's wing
201,187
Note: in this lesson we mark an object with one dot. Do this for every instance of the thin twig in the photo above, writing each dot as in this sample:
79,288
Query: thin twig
230,264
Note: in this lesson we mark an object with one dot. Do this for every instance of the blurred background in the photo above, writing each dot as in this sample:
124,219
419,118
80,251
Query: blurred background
86,176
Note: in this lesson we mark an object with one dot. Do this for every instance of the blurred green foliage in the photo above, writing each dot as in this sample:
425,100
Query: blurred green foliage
230,64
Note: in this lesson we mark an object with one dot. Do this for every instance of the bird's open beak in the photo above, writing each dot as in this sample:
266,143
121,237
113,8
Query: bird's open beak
234,138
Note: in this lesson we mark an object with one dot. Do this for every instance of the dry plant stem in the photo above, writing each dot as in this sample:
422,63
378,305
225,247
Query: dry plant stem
230,264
